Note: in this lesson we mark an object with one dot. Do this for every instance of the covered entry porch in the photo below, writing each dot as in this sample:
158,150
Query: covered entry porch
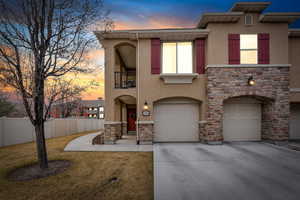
123,128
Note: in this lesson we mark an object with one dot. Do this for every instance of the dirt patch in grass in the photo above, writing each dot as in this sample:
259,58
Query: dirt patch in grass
34,171
92,175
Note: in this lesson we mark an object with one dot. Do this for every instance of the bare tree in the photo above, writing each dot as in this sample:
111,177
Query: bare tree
41,40
6,107
65,95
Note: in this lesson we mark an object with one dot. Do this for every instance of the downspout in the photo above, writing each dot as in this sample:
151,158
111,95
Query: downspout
138,89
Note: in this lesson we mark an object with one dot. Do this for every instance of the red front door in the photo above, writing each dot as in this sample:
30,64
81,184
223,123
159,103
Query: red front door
131,118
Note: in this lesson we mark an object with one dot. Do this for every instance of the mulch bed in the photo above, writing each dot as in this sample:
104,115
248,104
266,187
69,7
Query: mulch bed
31,172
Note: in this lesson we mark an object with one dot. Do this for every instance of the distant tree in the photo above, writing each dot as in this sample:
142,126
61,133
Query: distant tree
66,95
6,107
41,40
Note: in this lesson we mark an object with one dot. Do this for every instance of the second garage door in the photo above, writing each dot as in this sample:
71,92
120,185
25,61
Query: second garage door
176,121
242,120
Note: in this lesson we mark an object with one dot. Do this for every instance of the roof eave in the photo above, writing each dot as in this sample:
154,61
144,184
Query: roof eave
225,17
152,33
257,7
284,17
294,32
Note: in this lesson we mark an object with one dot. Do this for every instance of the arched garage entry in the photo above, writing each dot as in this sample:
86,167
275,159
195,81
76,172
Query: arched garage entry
176,120
246,118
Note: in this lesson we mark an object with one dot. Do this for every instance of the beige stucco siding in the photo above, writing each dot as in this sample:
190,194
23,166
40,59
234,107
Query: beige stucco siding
294,59
152,88
217,51
112,110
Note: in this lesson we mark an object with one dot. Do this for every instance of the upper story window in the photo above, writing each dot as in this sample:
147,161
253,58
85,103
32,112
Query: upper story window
101,109
248,48
177,57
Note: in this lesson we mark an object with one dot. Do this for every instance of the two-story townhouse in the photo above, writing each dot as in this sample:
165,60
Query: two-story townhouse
234,77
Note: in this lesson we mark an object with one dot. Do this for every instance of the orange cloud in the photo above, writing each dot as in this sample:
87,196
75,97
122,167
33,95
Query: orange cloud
96,56
154,22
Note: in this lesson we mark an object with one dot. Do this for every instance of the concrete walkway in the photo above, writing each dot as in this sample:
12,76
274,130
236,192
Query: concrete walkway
235,171
84,143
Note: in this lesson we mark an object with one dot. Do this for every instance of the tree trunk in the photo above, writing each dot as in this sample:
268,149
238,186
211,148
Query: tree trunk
39,119
41,145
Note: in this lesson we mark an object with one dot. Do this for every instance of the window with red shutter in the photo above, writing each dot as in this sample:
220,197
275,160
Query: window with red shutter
200,55
263,48
234,49
155,55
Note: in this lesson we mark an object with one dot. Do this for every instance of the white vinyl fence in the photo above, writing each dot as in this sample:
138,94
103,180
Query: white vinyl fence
20,130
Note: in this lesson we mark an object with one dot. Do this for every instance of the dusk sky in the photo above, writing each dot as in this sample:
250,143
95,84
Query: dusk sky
177,13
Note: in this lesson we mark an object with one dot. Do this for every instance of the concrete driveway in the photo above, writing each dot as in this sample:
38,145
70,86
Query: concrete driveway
243,170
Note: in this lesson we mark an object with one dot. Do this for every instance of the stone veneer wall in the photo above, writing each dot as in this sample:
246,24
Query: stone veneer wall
145,132
202,130
112,132
272,87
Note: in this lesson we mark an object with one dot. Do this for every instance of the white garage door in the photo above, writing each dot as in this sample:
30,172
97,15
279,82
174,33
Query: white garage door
242,120
176,121
295,121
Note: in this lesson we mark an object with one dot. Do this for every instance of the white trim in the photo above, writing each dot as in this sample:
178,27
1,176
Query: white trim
294,89
112,122
248,65
144,122
178,78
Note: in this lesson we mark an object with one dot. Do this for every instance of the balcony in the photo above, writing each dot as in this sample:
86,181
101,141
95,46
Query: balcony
124,80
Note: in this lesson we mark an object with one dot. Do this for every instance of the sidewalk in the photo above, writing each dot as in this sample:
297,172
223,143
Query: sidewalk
84,143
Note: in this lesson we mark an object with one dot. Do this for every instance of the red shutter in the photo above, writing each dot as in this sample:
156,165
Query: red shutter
263,48
234,49
155,55
200,55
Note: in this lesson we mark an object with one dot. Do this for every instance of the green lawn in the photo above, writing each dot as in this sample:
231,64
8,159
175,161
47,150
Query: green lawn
87,178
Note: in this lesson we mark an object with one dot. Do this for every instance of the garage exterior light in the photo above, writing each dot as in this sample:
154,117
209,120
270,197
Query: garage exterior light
146,107
251,81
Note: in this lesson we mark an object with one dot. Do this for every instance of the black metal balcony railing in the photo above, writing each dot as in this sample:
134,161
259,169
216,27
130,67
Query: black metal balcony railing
125,79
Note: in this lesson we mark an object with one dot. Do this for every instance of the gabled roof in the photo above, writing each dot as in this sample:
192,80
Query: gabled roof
257,7
225,17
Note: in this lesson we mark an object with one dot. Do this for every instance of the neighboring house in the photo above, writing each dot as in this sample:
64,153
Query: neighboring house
234,77
93,109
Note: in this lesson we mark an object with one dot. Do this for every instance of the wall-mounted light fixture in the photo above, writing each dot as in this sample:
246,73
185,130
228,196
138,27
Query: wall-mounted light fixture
146,111
146,107
251,81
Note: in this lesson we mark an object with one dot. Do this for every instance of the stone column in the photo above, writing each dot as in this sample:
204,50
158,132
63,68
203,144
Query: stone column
112,131
124,128
145,132
202,130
